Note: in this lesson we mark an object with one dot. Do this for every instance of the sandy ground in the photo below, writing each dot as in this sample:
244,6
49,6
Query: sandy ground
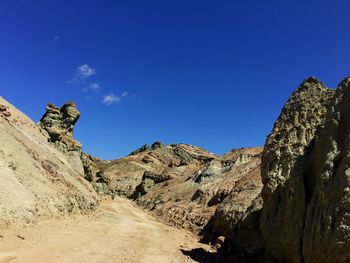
119,232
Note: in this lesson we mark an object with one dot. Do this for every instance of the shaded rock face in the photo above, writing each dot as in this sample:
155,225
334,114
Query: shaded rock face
93,172
305,171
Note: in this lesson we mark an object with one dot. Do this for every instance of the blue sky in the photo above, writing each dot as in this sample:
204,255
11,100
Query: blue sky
208,73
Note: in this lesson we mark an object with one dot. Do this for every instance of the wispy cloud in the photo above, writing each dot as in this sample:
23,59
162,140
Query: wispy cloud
82,73
110,99
95,87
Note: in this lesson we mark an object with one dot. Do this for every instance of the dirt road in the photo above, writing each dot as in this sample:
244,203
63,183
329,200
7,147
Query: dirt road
119,232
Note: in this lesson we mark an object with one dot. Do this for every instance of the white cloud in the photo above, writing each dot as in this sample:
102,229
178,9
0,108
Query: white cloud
83,72
95,87
110,99
125,93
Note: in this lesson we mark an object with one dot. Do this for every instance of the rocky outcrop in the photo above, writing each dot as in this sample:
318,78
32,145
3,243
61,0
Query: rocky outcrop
59,125
4,111
149,179
210,171
305,217
145,147
37,180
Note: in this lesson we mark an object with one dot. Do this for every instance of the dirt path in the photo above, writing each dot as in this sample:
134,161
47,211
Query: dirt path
119,232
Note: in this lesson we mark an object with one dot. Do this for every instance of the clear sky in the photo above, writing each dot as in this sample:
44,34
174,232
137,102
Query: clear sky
208,73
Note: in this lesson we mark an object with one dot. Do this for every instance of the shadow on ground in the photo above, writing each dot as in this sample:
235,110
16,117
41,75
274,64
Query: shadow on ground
202,256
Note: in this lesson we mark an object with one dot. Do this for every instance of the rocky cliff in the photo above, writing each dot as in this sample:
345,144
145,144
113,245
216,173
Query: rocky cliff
38,181
305,174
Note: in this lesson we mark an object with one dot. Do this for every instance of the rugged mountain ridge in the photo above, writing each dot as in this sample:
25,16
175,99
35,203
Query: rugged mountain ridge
181,184
190,199
287,202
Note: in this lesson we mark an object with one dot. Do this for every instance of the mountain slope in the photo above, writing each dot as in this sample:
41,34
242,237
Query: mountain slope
184,185
37,180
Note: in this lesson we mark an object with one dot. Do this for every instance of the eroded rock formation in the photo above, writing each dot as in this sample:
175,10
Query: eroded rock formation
283,169
37,180
305,170
59,124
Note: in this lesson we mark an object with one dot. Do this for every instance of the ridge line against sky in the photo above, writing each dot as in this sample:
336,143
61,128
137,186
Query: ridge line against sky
214,74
